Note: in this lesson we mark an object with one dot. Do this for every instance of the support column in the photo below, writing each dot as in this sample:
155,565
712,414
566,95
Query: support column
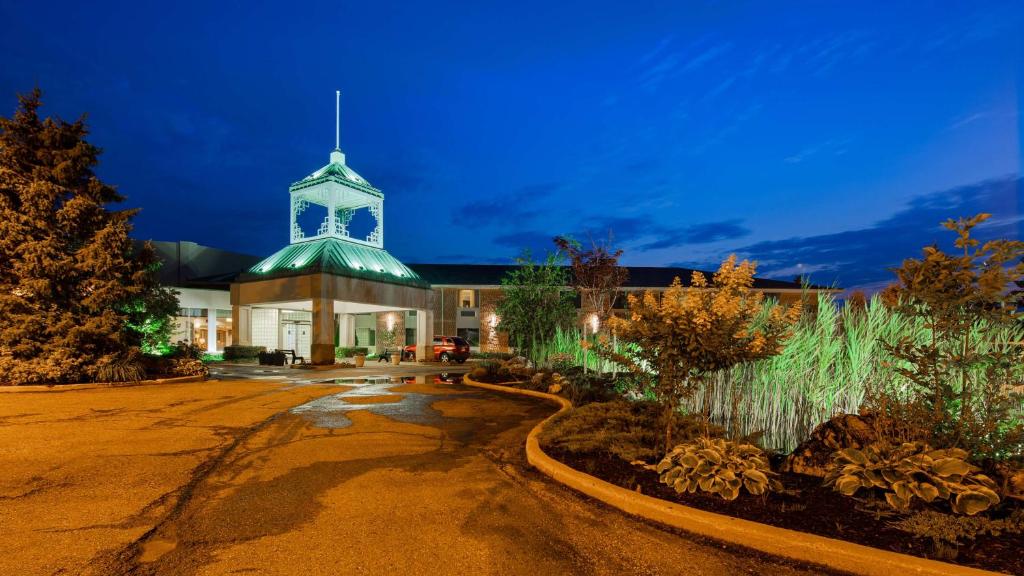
424,335
347,330
322,347
211,330
241,318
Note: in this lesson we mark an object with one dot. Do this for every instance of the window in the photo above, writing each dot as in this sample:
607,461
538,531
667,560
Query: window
410,336
366,337
467,298
471,335
467,313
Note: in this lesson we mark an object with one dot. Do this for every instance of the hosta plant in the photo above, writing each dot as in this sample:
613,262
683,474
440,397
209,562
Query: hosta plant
719,466
913,470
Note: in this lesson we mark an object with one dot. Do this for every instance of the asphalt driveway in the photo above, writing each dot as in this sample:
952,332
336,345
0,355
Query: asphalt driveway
374,475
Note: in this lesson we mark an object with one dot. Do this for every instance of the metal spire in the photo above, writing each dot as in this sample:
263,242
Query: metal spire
337,119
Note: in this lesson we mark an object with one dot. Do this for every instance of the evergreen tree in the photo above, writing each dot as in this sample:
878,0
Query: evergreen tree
70,280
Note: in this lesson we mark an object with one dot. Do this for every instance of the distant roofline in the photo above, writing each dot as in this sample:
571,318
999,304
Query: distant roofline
637,273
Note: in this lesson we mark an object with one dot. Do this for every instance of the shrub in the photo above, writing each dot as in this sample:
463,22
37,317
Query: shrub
207,358
491,355
183,349
913,469
627,430
239,352
949,529
964,379
124,370
188,367
271,358
350,351
687,335
561,361
719,466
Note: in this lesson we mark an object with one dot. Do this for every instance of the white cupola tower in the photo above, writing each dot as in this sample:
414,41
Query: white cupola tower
338,189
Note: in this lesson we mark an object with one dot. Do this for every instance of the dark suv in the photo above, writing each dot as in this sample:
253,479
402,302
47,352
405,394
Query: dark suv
446,349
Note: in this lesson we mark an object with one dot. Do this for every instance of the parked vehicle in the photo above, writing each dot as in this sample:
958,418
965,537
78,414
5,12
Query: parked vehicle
446,349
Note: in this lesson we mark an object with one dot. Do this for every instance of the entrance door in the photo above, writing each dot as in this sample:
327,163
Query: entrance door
303,339
288,337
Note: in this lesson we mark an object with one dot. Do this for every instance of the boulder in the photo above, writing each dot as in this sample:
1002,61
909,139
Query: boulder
813,455
1011,480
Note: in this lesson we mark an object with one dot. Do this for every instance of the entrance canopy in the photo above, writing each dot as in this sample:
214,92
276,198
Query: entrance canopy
333,279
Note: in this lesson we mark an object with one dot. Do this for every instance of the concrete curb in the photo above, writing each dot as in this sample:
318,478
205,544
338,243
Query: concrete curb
95,385
782,542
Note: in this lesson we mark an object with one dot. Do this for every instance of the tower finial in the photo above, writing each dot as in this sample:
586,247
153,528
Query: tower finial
336,155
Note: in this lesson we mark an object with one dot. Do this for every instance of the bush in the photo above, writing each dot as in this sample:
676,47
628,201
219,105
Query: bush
207,358
949,529
911,470
350,351
627,430
188,367
584,388
491,355
718,466
239,352
126,370
183,349
271,358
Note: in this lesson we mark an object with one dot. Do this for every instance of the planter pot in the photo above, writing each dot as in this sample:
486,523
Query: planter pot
360,360
396,359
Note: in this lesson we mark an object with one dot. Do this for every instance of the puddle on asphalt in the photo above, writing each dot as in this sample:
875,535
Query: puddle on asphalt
411,407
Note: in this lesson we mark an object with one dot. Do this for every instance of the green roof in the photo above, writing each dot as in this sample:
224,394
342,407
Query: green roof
335,256
336,172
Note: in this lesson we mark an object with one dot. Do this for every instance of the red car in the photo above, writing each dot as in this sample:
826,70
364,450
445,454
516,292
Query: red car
446,349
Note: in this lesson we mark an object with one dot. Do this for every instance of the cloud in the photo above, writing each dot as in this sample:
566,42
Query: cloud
512,208
864,256
837,147
707,56
676,63
538,243
705,233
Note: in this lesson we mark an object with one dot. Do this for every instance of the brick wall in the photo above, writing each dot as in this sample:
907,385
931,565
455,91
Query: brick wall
445,311
491,340
399,326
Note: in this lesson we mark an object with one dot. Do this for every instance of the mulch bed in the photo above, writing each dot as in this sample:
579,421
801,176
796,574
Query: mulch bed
807,506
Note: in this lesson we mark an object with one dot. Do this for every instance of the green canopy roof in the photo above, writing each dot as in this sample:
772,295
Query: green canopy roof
338,172
335,256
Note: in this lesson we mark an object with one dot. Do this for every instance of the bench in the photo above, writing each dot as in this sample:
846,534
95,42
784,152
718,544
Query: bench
295,358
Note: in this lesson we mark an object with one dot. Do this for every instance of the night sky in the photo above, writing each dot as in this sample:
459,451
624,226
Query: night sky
814,137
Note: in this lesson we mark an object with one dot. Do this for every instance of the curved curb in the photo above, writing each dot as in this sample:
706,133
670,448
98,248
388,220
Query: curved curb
96,385
782,542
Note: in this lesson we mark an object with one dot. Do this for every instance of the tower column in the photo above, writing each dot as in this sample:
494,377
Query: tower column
424,335
322,346
240,325
347,330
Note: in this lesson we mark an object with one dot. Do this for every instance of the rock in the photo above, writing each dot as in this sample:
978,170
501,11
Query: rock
1011,479
813,455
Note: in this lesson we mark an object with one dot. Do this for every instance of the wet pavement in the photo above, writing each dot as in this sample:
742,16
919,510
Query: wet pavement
369,474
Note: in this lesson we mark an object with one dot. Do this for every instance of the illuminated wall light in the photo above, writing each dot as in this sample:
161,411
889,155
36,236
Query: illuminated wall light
595,323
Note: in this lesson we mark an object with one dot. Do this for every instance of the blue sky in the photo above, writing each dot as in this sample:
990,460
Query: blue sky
815,137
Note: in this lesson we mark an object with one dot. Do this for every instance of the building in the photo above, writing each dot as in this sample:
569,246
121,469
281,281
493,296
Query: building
463,301
334,284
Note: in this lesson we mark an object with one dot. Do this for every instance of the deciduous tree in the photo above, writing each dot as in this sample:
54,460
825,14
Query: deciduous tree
687,334
535,302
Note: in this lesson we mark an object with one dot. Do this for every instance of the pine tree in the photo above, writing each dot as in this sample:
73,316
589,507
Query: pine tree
70,278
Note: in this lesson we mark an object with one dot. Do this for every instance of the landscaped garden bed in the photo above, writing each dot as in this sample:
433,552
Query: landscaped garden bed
895,423
806,505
